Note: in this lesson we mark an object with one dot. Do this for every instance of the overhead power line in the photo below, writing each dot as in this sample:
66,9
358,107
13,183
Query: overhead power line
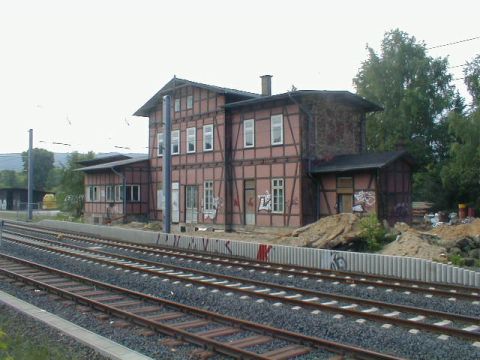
454,43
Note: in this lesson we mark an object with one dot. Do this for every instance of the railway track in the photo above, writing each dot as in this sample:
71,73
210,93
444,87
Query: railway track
450,291
174,319
412,318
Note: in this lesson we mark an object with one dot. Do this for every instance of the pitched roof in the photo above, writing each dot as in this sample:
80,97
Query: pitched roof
176,82
342,96
113,164
361,161
104,159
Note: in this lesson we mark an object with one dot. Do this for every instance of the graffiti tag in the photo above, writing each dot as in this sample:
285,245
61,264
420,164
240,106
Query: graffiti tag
265,201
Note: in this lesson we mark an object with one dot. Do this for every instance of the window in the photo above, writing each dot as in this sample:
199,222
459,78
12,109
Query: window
249,133
92,193
118,193
160,144
277,129
189,101
177,104
160,196
109,193
278,196
132,193
208,195
208,138
175,142
191,140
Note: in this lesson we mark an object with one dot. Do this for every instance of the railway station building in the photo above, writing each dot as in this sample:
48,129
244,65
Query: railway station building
245,160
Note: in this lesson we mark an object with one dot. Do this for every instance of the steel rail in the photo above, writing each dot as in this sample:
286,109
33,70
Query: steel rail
349,277
222,319
297,302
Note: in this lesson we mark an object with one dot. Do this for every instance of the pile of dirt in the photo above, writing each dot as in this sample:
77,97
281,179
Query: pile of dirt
413,243
330,232
457,232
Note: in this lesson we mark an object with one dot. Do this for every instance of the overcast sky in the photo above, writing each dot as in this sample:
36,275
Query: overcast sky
76,71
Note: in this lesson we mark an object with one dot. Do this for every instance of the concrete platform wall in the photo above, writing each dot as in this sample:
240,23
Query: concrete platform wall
398,266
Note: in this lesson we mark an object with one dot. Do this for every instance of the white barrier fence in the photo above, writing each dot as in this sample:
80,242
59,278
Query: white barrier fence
398,266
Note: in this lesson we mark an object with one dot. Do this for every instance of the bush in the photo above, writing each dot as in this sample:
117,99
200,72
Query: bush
457,260
373,232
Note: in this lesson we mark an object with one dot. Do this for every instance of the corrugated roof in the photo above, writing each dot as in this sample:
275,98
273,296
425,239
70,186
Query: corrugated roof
155,99
362,161
345,96
112,164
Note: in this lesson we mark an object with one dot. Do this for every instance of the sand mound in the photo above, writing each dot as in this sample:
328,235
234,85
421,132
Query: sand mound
457,232
330,231
415,244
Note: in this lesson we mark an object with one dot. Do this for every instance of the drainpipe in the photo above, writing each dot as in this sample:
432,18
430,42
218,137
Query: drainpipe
167,163
124,190
309,158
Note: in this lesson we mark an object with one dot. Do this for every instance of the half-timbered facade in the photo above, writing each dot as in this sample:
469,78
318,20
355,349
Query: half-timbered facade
116,190
242,160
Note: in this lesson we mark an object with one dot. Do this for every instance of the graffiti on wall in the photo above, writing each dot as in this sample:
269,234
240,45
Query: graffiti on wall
337,262
401,211
364,201
265,201
236,203
263,252
3,204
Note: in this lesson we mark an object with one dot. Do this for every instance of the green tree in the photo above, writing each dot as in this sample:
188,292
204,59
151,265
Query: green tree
71,189
10,178
42,165
472,79
461,174
415,91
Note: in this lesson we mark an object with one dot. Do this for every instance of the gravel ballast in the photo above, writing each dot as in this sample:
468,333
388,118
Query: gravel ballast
395,340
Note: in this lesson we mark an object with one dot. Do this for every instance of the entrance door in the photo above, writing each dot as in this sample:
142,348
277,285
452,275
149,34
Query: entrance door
175,203
345,203
191,204
249,201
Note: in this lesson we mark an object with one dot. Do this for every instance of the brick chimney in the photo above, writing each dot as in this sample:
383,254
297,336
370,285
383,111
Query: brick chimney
266,85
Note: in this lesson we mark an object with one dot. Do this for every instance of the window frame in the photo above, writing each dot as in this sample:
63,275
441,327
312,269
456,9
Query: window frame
194,135
175,133
278,207
208,195
129,193
209,126
118,193
160,144
132,187
177,104
93,190
189,102
248,123
273,126
109,190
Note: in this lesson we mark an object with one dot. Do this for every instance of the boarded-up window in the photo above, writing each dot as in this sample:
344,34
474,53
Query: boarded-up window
344,185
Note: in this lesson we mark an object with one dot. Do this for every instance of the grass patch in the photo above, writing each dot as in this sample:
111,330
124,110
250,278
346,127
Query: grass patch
19,342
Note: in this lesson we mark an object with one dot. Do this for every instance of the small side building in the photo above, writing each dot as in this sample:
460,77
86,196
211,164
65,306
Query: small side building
378,183
14,199
116,189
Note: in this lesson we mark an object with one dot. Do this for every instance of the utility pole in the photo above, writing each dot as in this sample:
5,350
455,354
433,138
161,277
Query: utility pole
30,174
167,163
